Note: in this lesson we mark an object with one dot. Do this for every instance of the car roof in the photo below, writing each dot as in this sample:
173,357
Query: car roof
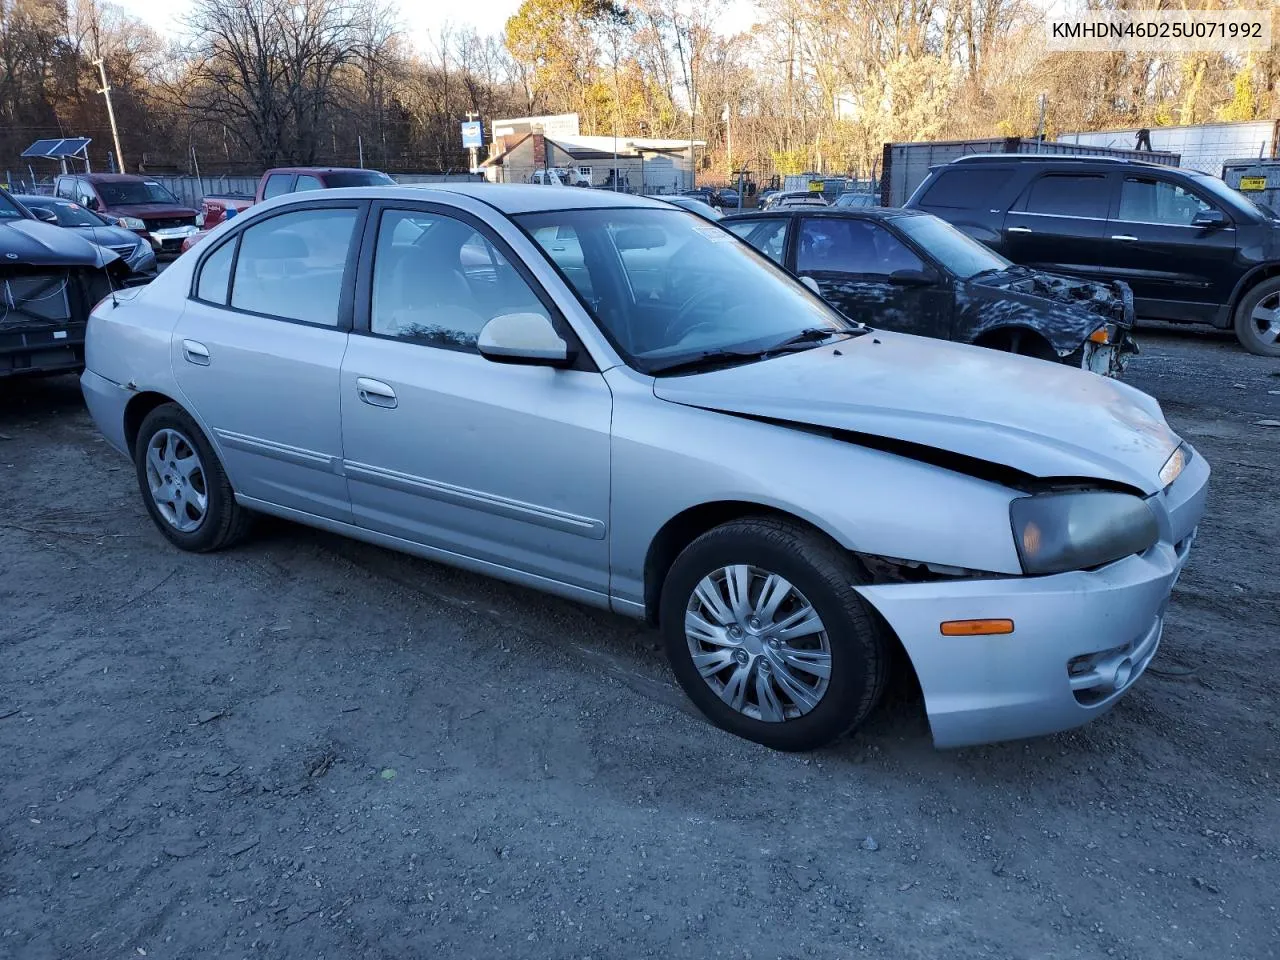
855,213
321,170
112,177
40,197
1051,158
514,198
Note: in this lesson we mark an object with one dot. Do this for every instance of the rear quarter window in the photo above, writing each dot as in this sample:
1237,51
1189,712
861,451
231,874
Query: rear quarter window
964,188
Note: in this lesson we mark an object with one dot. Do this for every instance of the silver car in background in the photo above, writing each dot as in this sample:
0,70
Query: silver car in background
612,400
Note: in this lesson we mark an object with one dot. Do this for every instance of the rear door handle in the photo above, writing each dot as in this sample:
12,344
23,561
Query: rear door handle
195,352
1019,229
1124,238
375,393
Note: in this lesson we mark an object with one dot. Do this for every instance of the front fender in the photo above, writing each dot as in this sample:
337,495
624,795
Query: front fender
668,458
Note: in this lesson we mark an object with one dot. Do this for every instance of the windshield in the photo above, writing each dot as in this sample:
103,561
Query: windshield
118,193
1225,195
666,286
8,209
357,178
69,214
958,252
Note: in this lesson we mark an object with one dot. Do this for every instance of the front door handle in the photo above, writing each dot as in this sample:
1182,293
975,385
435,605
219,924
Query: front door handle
195,352
1124,238
1019,229
375,393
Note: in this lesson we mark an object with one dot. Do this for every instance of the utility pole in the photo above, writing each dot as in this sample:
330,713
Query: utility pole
110,114
728,135
1044,102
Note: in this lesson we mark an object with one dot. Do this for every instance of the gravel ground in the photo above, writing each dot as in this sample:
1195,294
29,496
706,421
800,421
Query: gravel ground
307,747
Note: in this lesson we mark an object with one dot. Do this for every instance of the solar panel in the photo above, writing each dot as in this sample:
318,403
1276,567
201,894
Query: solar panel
67,147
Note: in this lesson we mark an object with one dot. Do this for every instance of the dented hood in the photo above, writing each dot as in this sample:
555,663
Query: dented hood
38,244
1044,419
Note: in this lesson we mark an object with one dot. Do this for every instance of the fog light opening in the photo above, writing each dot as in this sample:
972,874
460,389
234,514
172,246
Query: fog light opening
1124,672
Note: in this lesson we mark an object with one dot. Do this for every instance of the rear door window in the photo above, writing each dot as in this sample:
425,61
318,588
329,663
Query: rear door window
292,266
767,236
964,188
306,182
1069,195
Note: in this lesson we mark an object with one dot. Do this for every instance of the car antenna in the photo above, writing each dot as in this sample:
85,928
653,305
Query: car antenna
111,284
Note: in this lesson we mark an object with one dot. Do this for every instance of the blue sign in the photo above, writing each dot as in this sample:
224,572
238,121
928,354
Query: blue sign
472,134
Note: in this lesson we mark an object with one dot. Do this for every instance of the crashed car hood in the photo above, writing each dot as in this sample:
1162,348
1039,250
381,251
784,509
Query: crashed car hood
39,244
1043,419
1063,309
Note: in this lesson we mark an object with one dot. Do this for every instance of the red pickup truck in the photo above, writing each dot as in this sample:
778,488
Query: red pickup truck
277,181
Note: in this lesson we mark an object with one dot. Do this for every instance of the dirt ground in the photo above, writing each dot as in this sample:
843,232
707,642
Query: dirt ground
306,747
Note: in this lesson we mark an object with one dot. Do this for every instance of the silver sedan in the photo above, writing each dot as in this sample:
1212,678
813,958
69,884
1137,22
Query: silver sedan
615,401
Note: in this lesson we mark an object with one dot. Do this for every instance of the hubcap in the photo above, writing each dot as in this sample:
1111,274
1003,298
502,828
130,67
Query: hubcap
758,643
1266,319
175,477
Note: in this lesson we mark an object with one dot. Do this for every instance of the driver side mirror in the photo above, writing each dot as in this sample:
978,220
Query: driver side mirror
524,338
913,278
1210,219
45,214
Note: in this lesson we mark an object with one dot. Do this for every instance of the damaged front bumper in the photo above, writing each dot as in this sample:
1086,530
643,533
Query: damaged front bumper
1080,640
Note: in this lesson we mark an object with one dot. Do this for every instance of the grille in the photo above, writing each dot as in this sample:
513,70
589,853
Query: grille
123,251
164,223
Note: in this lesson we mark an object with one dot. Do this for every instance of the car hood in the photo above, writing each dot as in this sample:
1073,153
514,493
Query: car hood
1062,309
148,211
107,236
1040,418
41,244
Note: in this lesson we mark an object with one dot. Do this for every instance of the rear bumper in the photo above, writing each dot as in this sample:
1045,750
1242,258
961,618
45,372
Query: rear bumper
106,401
1080,640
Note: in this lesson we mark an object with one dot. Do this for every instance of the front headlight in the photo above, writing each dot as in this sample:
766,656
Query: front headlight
1074,531
132,223
1173,467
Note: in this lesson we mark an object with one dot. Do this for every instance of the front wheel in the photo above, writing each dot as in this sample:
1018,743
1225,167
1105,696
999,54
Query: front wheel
183,485
1258,319
767,636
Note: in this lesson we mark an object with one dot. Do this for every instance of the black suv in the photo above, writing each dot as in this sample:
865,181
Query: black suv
1192,249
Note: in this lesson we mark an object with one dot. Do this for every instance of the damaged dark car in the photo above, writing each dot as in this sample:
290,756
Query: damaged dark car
911,272
50,278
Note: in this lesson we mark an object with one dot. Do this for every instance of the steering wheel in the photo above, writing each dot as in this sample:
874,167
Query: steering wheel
691,305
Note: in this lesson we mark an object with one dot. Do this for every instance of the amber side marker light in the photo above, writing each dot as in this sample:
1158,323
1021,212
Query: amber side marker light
975,628
1101,335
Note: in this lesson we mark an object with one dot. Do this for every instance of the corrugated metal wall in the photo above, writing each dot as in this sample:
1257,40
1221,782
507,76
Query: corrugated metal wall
1204,147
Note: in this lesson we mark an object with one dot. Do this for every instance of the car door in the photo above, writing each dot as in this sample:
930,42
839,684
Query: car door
504,464
1058,221
258,352
1178,270
868,273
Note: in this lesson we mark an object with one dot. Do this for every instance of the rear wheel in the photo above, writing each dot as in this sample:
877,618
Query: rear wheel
767,636
183,485
1258,319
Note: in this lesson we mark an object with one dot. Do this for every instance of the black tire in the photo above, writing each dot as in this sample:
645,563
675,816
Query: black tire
1247,331
821,571
1025,343
224,521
